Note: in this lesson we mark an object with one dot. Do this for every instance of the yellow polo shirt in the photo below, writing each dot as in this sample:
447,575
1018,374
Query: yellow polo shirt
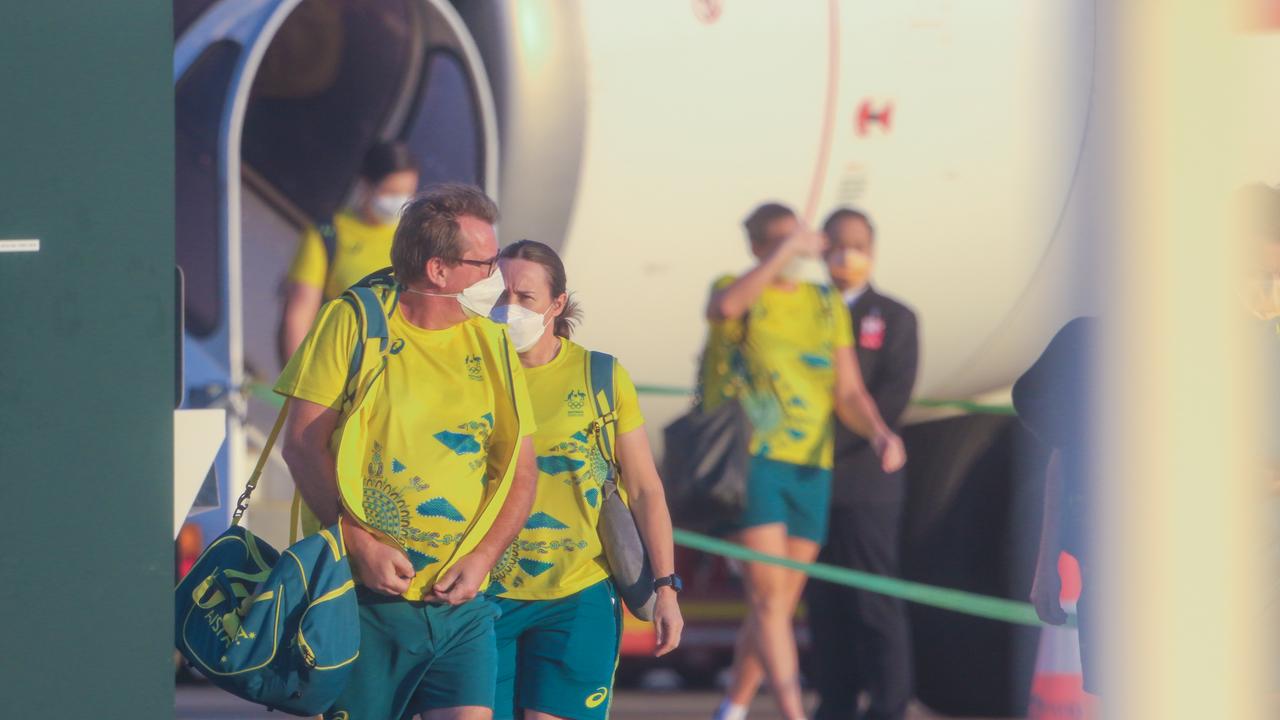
792,336
558,553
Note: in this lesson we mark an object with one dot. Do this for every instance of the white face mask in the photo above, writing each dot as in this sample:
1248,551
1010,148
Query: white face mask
387,207
804,267
478,299
525,325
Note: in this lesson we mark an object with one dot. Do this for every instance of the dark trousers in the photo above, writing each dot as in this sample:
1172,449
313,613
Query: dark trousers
860,640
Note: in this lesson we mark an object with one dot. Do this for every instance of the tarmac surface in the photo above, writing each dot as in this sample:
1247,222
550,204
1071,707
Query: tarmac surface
204,702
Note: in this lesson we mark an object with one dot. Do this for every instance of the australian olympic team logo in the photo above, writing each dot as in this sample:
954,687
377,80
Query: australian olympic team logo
474,368
576,400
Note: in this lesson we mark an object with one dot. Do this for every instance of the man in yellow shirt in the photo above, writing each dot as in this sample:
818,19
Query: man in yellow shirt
417,462
333,256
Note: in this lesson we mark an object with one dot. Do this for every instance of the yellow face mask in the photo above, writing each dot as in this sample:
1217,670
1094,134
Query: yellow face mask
851,266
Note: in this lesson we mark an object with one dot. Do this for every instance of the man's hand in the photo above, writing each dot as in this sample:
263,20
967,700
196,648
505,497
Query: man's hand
1046,593
667,621
376,565
888,446
461,582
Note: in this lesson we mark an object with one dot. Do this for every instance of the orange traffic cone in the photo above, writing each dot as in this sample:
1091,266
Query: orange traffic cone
1057,689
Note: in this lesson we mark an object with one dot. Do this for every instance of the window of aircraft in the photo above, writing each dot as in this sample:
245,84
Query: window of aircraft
199,99
445,130
324,91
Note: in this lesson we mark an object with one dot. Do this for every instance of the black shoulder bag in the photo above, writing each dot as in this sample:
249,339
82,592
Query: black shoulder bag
707,455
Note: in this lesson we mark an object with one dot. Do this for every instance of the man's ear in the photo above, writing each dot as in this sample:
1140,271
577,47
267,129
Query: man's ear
436,271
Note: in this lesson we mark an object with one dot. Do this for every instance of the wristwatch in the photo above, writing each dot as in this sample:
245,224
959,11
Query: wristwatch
673,581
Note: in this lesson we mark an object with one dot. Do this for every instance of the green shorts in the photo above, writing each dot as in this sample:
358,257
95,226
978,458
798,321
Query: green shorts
798,496
558,656
418,656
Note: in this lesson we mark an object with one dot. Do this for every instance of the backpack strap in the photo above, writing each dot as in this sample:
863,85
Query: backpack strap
385,276
369,299
370,310
329,238
601,383
828,296
824,293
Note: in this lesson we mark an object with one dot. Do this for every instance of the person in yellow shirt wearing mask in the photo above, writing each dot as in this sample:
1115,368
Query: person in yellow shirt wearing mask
560,627
428,466
784,346
333,256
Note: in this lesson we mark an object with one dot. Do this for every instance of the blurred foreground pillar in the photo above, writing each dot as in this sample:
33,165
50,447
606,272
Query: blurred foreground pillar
1179,481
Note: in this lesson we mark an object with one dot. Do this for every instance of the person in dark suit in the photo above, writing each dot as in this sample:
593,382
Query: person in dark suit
861,640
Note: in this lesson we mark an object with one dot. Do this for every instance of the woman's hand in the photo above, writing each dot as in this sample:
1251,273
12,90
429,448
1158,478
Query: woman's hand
667,621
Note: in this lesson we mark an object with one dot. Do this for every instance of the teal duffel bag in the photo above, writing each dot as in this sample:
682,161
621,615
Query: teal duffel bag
277,629
280,629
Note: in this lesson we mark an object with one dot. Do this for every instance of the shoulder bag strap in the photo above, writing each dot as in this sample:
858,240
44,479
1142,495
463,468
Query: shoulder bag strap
600,383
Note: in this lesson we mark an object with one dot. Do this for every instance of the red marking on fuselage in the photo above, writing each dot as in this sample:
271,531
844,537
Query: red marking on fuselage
869,116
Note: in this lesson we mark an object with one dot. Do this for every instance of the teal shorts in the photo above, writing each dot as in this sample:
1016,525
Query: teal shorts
797,496
418,656
558,656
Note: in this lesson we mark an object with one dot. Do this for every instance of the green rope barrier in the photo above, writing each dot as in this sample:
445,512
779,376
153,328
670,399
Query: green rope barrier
664,390
966,406
960,601
264,393
963,405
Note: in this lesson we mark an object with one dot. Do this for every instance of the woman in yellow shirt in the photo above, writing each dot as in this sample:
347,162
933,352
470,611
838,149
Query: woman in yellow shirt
333,257
784,348
560,627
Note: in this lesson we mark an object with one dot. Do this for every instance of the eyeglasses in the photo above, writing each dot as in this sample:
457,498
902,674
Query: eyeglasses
486,264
